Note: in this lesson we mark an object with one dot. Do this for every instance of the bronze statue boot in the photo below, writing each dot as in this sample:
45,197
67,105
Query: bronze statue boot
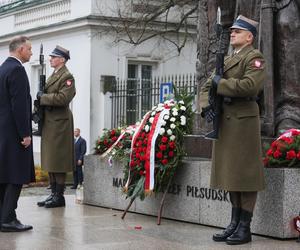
49,198
235,218
58,199
242,234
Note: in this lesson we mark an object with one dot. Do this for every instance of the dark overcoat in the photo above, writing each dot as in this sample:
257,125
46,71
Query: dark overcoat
16,161
57,142
237,156
80,149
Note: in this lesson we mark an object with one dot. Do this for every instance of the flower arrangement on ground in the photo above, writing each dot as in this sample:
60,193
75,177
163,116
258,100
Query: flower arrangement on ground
155,146
285,150
115,143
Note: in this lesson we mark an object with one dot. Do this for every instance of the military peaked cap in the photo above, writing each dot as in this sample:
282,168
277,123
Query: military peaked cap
60,52
245,23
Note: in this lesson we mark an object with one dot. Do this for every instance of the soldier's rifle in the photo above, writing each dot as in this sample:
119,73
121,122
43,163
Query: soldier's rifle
215,100
38,114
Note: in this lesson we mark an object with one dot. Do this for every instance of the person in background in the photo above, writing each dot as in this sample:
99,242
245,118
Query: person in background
16,154
236,167
80,150
57,143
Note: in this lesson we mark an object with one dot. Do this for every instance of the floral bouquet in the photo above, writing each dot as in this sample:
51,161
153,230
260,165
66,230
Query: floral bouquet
156,147
285,150
151,149
115,143
108,138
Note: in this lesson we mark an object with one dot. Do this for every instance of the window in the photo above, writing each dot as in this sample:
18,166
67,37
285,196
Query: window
138,91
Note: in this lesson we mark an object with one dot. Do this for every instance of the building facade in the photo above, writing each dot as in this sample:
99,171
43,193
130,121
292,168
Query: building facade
81,27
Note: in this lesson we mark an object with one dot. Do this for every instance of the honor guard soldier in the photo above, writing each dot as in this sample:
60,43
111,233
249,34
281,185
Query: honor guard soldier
57,143
237,158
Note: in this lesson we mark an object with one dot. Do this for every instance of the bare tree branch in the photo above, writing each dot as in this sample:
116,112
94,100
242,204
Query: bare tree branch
143,20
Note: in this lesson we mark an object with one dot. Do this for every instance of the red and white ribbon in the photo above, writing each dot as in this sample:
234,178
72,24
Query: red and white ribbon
150,152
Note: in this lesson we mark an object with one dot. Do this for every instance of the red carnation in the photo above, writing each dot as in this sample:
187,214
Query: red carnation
159,155
113,132
290,155
105,142
288,140
132,164
164,161
277,154
142,172
172,144
171,154
164,139
270,152
298,155
114,138
162,147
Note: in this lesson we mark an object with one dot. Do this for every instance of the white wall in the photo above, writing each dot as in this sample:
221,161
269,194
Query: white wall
94,54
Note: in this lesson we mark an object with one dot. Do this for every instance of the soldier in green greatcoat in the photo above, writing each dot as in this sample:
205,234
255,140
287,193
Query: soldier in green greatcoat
237,158
57,142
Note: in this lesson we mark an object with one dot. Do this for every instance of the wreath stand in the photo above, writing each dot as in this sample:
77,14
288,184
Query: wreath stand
160,207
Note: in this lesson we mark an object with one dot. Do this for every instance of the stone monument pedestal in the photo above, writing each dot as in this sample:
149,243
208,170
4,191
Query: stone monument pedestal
190,199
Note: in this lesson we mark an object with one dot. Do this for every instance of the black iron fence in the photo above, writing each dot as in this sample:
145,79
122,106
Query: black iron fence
132,98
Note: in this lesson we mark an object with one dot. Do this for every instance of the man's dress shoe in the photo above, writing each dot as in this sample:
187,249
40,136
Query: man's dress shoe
14,226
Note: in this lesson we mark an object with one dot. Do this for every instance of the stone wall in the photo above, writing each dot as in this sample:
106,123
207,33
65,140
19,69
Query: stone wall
190,199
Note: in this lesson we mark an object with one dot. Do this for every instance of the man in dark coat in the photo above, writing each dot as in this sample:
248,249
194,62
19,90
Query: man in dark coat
237,158
80,150
16,155
57,143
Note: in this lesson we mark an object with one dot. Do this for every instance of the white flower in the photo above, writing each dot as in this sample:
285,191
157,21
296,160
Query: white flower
174,109
183,122
151,119
163,123
174,113
153,113
137,123
162,131
172,137
172,126
169,132
160,105
159,109
166,117
147,128
181,102
183,108
173,119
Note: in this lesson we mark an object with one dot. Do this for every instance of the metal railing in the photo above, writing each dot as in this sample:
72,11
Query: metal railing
132,98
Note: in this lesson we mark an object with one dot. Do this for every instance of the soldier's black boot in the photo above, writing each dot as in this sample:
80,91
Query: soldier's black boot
242,234
235,218
49,198
58,199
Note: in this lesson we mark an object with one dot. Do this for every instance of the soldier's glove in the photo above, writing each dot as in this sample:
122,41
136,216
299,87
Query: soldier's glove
208,113
216,80
39,94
